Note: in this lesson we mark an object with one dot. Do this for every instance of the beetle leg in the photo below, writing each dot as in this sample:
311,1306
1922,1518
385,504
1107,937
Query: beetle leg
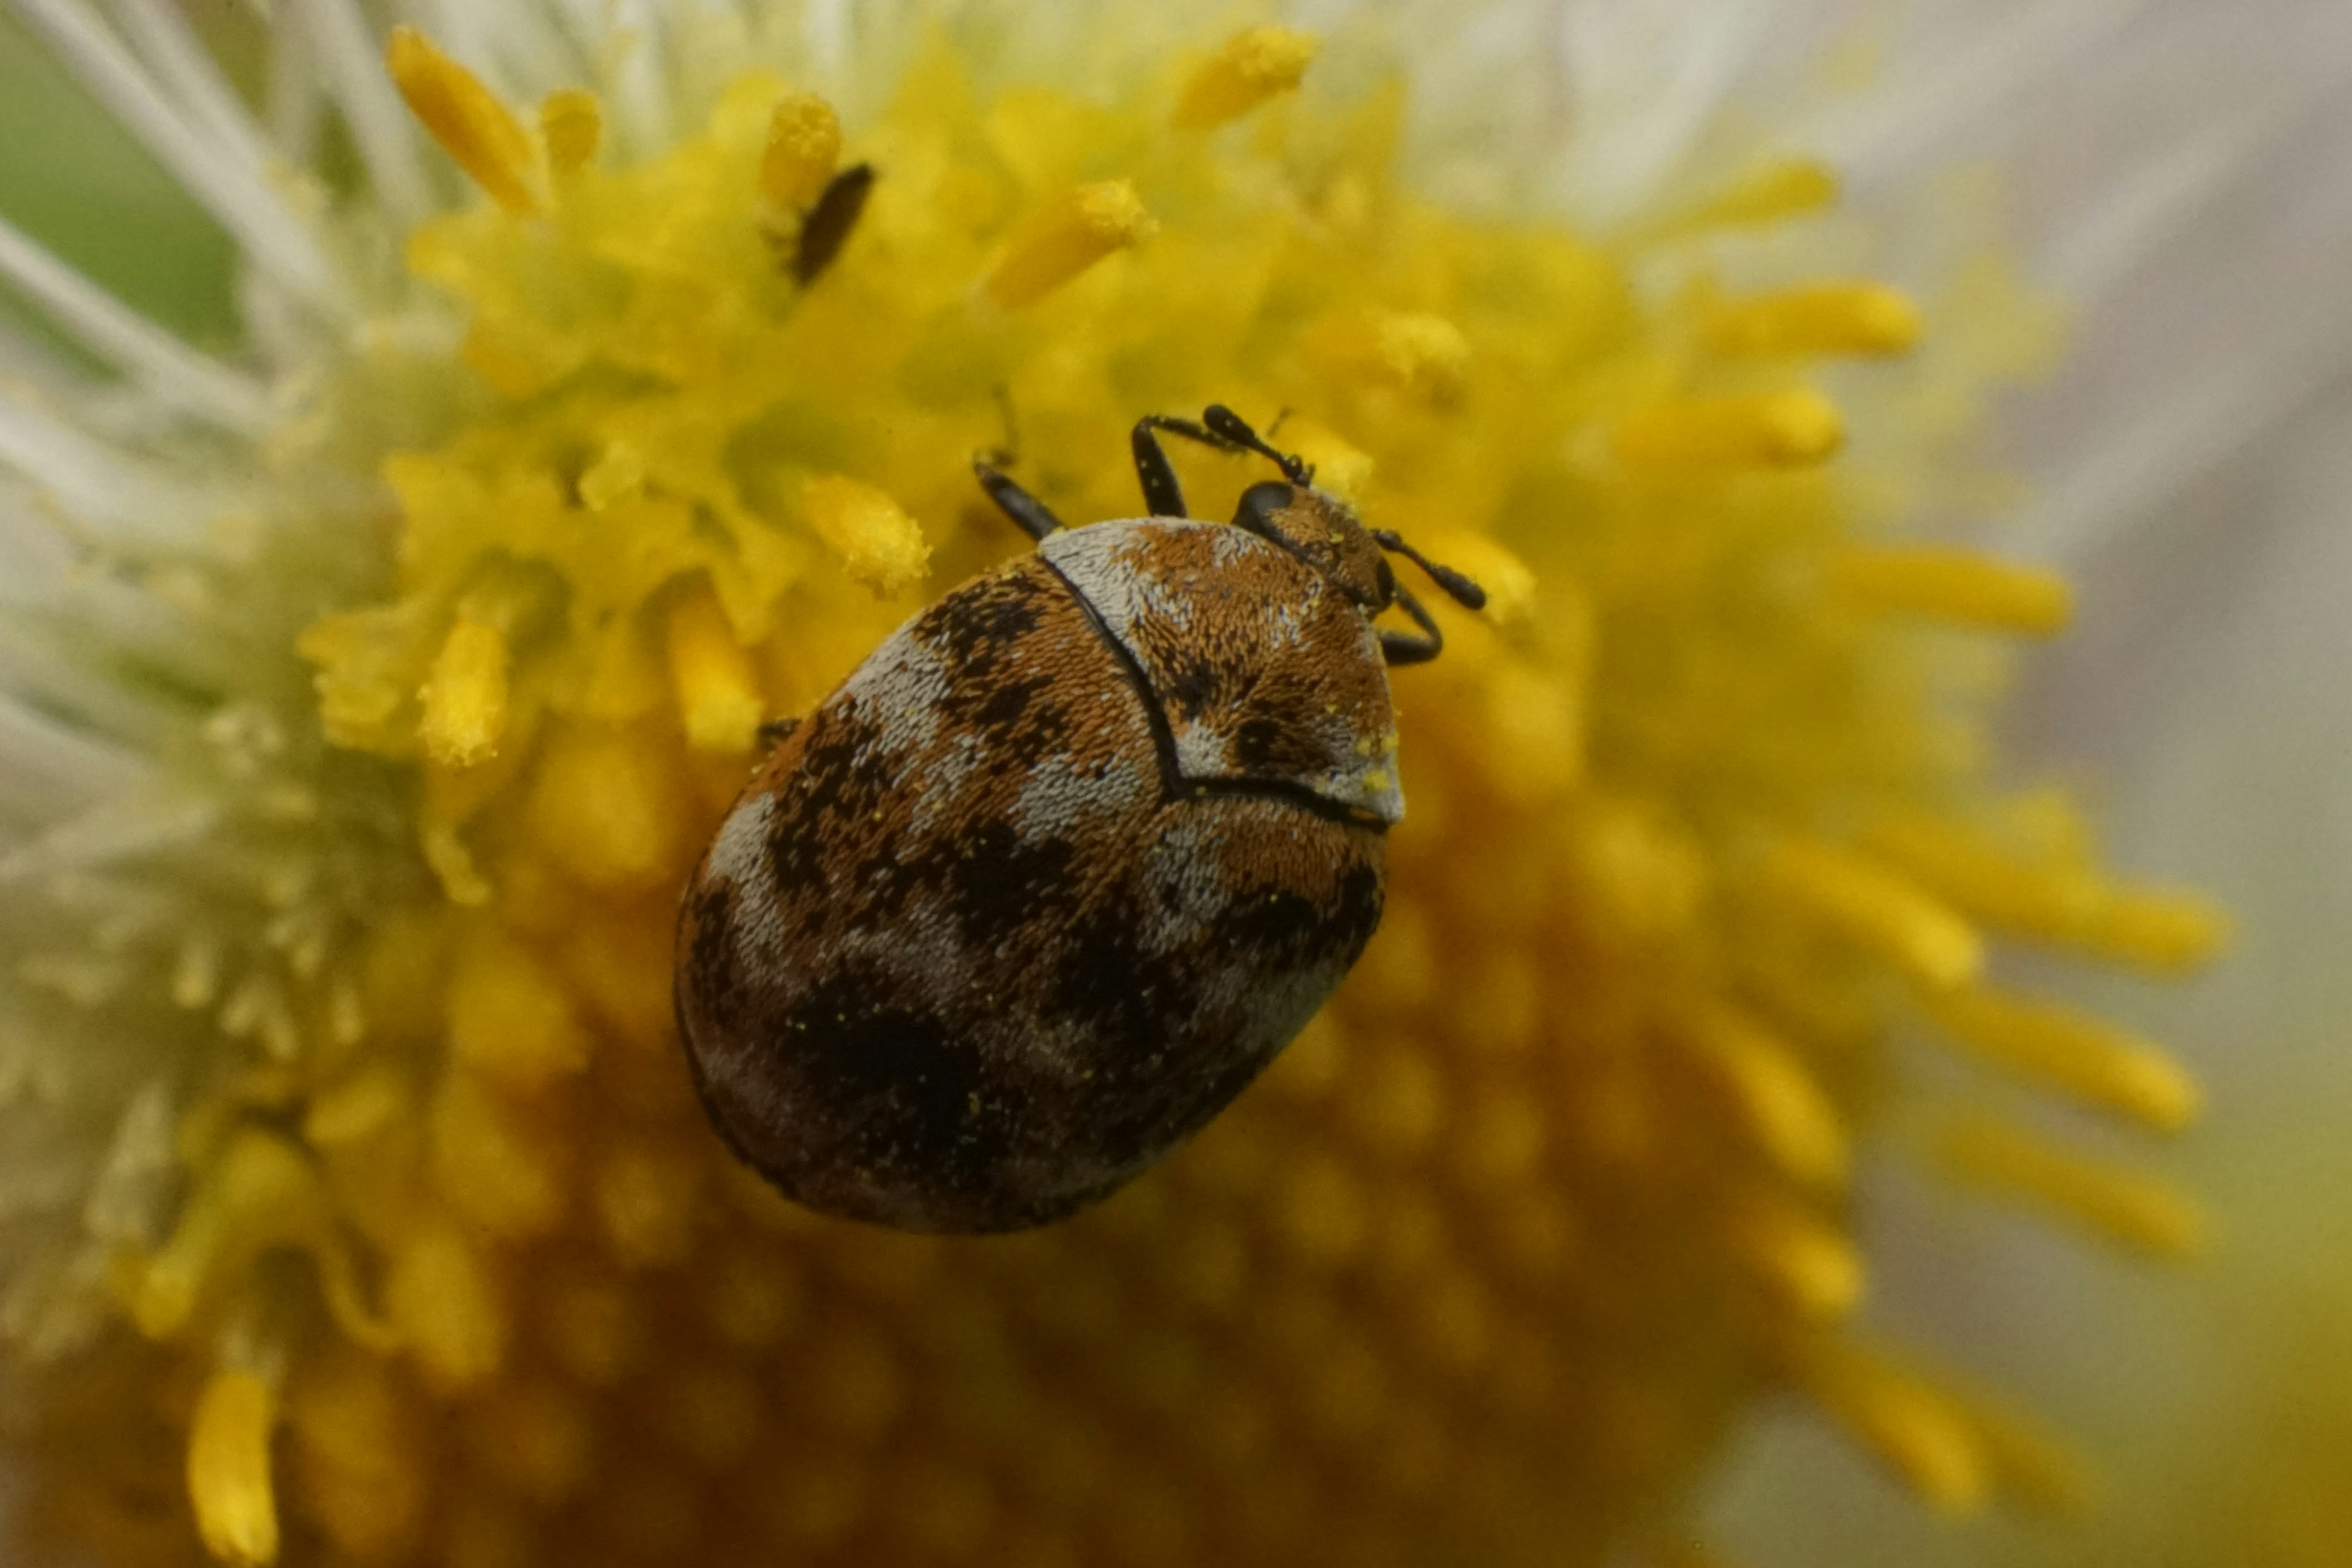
776,732
1162,497
1412,647
1029,514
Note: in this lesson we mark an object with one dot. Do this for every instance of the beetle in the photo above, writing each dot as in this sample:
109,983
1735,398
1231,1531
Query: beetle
1064,863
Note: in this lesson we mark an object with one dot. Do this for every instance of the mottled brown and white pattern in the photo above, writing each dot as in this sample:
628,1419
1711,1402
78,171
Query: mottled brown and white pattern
974,948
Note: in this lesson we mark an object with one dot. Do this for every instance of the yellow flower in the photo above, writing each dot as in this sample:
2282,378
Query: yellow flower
370,1214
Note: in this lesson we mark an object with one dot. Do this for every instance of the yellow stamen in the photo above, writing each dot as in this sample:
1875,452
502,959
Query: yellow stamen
2122,1204
510,1018
1877,909
2073,1051
804,146
260,1194
466,697
1773,1094
446,1307
1772,192
2030,1465
492,1162
1769,429
229,1468
718,699
1909,1423
1804,1259
571,126
1075,232
605,808
880,546
467,119
1249,67
1954,584
356,1455
1822,318
2158,928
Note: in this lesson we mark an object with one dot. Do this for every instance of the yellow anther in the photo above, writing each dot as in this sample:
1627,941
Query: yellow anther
646,1202
1770,429
804,147
229,1468
445,1307
2158,928
719,700
1773,193
1248,68
356,1453
1822,318
880,545
1806,1261
1877,909
1912,1427
466,697
1078,230
492,1163
571,126
1772,1094
2121,1205
1417,350
605,808
510,1018
618,474
1955,584
260,1193
467,119
2027,1462
2072,1051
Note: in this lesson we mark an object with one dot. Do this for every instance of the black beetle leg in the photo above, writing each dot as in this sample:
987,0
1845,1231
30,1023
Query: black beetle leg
1029,514
1409,647
776,732
1162,497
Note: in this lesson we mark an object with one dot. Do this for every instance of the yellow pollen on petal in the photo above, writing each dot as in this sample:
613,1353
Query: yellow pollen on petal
880,545
465,699
2122,1204
1248,68
1878,911
1861,318
718,699
1954,584
1341,470
229,1468
472,126
804,147
1076,230
571,126
1769,429
2072,1051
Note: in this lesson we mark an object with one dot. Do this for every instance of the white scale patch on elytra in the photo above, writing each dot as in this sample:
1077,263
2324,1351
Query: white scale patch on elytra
899,689
1058,801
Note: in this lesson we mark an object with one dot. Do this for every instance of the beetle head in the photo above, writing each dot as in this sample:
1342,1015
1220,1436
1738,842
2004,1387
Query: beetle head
1322,530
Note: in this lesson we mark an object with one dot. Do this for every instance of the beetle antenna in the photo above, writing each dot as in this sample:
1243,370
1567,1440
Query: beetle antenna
1460,589
1225,422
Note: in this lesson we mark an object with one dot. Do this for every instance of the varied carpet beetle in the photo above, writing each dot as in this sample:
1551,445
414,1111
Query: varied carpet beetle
1064,864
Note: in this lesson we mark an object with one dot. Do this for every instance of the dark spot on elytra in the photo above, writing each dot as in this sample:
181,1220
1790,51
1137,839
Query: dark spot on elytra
975,625
1004,882
907,1094
840,777
1187,682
